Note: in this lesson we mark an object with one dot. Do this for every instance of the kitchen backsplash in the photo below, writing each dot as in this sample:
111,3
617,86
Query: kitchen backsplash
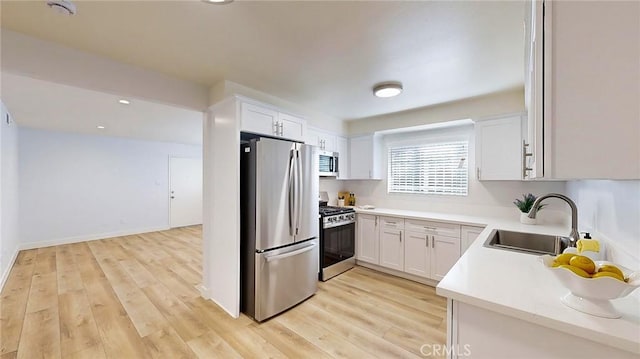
611,210
485,198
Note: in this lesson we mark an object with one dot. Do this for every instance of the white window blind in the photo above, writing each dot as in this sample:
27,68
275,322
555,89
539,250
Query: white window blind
436,168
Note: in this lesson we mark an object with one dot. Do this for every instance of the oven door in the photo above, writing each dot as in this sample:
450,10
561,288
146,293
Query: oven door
338,244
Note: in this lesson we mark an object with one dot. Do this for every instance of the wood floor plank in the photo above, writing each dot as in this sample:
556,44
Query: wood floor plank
43,293
45,260
136,297
78,329
166,343
211,345
41,335
182,319
15,296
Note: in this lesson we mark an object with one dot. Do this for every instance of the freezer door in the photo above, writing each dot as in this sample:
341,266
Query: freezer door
308,187
275,171
285,277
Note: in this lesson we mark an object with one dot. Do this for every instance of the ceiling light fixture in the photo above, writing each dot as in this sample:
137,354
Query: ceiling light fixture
100,127
64,7
387,89
124,102
218,2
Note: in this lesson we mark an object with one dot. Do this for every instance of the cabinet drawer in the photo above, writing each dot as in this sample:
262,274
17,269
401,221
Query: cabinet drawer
392,223
429,227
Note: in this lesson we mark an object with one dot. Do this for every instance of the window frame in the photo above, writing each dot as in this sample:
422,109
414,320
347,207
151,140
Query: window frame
430,137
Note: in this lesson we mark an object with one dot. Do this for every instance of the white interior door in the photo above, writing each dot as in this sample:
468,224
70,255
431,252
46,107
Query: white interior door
185,179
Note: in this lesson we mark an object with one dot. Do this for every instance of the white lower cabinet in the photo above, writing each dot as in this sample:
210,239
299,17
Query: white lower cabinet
468,235
391,245
367,238
445,253
422,248
417,254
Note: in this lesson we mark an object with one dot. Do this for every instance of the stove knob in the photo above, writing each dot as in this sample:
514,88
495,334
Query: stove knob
341,217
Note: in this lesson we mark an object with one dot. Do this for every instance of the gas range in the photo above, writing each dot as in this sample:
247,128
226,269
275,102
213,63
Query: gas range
336,216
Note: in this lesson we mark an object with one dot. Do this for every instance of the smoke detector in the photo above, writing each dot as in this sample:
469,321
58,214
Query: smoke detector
64,7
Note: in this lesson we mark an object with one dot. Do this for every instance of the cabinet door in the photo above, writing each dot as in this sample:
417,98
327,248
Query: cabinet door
365,157
499,149
292,127
329,142
445,253
259,120
313,137
391,249
417,251
468,235
342,147
593,111
367,238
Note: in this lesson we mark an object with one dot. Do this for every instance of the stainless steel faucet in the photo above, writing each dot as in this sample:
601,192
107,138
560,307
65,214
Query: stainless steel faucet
574,236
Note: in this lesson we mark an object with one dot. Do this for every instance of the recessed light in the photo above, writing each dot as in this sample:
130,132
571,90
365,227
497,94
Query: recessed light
217,2
100,127
387,89
124,102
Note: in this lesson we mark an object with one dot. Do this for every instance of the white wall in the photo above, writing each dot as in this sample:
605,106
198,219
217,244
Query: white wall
77,187
45,60
8,194
485,197
611,211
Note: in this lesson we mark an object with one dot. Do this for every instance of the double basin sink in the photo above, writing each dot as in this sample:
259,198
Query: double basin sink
530,243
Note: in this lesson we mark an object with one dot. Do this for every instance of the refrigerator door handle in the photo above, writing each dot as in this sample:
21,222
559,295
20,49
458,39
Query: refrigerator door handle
299,190
292,193
290,254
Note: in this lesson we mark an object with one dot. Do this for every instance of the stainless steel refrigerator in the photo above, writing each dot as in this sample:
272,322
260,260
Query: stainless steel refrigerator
279,225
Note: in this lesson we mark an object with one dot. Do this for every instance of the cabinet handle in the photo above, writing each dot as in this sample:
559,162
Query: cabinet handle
400,236
281,126
430,228
275,127
426,241
478,173
525,154
433,241
376,221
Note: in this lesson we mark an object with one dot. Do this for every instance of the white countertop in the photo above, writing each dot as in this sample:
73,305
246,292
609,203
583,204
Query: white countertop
517,285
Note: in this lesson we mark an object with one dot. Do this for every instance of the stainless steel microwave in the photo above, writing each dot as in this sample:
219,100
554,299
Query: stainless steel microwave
328,163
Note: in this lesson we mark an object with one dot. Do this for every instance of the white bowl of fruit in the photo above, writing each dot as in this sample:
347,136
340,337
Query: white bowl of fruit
591,284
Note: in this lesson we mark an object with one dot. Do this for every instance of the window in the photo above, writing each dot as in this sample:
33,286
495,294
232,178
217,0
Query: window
435,168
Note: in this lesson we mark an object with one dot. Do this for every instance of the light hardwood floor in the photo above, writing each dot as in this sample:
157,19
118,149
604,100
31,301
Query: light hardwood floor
135,297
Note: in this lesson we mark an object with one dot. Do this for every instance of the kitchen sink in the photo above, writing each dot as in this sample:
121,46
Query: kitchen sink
530,243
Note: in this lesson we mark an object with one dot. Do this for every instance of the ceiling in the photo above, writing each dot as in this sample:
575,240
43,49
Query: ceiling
324,55
46,105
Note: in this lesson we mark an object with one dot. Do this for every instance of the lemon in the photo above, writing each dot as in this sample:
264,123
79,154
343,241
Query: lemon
608,274
584,263
612,269
555,264
575,270
564,258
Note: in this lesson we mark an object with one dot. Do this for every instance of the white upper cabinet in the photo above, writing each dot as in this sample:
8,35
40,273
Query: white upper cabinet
342,147
259,120
582,89
291,126
365,157
263,120
499,149
324,140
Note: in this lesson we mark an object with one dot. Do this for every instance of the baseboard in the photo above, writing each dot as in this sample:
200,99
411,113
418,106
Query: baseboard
204,291
7,270
93,237
415,278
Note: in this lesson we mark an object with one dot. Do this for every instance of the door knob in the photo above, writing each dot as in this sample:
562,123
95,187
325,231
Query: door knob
172,197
